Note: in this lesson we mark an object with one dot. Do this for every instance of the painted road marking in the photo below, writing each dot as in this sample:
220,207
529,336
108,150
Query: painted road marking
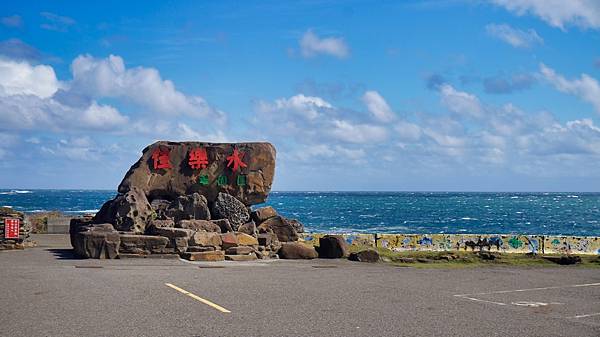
586,315
530,304
198,298
531,289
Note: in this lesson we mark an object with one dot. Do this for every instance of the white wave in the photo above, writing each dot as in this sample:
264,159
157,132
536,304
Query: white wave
84,211
13,192
467,218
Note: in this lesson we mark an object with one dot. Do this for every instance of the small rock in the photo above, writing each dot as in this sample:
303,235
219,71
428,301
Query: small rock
296,250
564,259
487,256
170,232
368,255
248,228
206,239
239,258
262,214
246,240
332,247
229,240
200,249
240,250
216,255
424,260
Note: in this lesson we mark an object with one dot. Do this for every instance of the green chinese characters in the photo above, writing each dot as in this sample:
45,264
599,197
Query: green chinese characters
241,180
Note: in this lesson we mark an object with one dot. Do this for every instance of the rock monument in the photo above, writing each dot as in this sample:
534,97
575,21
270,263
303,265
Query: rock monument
193,199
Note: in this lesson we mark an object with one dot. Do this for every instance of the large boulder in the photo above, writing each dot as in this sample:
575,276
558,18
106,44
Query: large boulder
97,242
167,170
281,227
129,212
332,247
296,250
228,207
185,207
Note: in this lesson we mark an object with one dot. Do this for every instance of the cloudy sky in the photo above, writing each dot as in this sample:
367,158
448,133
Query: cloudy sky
500,95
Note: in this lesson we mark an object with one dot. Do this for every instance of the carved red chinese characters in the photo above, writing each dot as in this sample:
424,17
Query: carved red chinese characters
235,160
198,159
161,158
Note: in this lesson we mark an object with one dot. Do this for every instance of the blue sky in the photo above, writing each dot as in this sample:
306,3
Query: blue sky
499,95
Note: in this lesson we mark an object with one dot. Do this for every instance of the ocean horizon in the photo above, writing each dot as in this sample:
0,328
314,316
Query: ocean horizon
417,212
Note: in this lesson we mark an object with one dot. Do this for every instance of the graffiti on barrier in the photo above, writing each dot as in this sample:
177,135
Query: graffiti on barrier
536,244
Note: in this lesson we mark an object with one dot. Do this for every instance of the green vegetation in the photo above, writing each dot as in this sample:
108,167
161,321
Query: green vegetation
467,259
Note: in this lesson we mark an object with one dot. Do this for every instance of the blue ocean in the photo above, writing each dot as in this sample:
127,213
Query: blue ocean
385,212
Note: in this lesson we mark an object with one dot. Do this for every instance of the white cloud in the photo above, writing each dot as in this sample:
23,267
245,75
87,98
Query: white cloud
357,133
21,78
307,107
184,132
462,103
102,116
312,45
558,13
377,106
585,87
515,37
143,86
408,132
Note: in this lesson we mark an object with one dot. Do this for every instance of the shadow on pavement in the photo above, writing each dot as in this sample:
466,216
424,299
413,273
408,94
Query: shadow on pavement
64,254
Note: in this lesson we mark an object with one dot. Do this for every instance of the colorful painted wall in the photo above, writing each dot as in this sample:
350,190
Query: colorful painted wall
538,244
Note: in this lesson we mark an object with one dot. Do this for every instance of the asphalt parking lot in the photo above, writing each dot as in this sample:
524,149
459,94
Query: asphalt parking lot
47,292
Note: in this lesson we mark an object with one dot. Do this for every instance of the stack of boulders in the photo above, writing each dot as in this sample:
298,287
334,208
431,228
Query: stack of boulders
195,203
24,240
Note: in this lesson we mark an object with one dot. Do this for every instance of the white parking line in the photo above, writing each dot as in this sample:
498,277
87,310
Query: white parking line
586,315
531,289
529,304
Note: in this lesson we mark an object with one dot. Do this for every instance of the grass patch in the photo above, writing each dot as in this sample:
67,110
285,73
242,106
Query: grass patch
467,259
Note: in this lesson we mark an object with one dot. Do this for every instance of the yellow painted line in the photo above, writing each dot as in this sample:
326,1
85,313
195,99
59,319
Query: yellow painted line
198,298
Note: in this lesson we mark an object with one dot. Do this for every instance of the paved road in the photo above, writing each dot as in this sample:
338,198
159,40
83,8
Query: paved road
45,292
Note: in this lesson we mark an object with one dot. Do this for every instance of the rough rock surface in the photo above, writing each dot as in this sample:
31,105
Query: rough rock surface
181,179
261,214
229,240
332,247
228,207
200,225
142,244
248,228
246,240
282,228
206,239
97,242
185,207
368,255
129,212
224,225
216,255
297,225
296,250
